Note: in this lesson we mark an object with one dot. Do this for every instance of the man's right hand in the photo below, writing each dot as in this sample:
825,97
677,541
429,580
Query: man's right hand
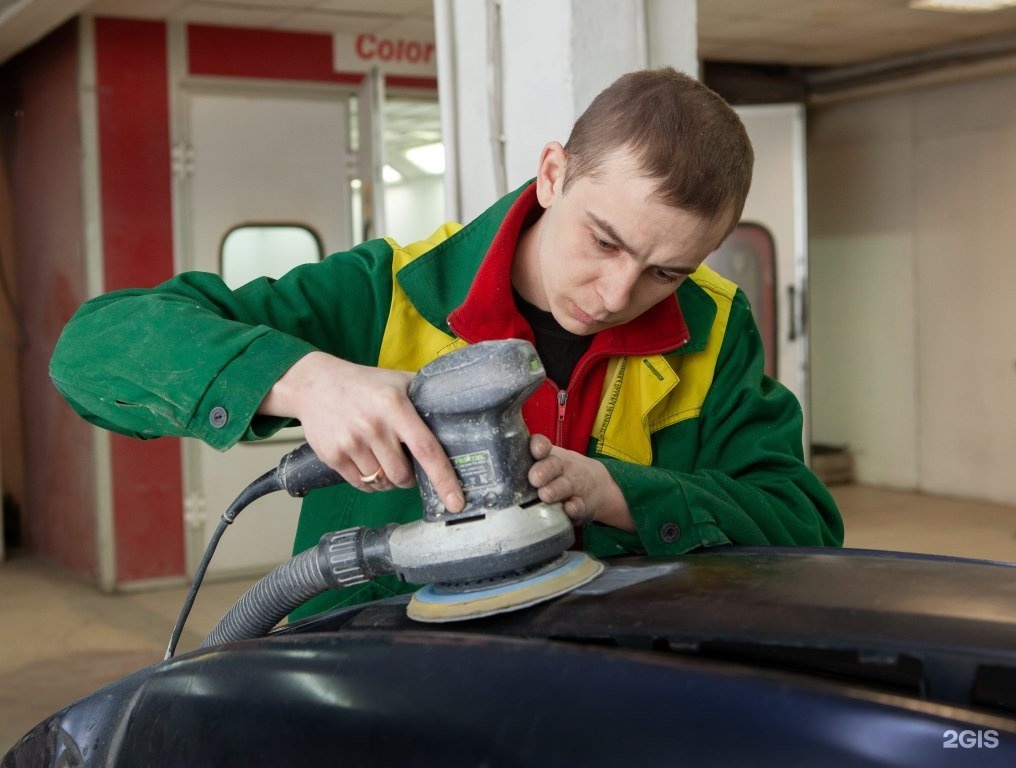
357,419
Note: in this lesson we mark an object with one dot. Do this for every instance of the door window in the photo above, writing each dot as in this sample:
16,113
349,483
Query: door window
748,257
266,250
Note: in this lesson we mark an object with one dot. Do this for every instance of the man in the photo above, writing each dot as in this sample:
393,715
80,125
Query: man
657,428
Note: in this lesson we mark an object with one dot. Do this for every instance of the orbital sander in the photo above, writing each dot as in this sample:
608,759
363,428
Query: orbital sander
504,551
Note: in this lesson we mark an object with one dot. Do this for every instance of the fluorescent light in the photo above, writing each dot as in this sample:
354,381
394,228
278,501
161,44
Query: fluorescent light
961,6
429,158
390,175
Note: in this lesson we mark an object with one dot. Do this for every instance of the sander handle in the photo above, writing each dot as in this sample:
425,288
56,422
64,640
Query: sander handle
301,471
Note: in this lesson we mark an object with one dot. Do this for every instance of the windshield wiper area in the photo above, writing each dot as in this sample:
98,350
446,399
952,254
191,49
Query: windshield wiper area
946,678
995,688
892,673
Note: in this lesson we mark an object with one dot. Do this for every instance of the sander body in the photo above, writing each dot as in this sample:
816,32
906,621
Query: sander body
506,549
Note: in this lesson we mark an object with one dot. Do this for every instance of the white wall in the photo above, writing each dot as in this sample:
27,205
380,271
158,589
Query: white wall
777,201
556,57
524,74
414,209
913,268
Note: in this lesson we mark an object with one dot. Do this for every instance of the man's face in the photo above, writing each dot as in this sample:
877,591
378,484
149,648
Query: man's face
608,249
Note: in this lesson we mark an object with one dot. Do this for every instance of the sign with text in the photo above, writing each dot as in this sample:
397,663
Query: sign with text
392,52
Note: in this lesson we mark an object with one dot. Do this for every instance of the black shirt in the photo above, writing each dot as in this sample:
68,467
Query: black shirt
559,349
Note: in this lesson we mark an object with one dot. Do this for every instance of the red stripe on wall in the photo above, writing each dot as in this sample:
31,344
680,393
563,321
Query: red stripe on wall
273,55
41,140
136,192
234,52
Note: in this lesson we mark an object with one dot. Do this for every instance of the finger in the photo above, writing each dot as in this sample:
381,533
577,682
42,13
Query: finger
575,508
397,467
539,446
378,481
544,471
558,489
370,474
352,472
435,464
377,476
367,470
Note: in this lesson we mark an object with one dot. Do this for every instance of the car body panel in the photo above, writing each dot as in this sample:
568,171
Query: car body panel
736,656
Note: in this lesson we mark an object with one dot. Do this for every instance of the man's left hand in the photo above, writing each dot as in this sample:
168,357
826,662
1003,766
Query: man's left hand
584,485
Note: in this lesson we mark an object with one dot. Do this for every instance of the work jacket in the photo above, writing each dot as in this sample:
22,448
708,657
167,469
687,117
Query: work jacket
705,448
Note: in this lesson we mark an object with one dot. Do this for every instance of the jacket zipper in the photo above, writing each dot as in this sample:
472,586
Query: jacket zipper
562,396
562,402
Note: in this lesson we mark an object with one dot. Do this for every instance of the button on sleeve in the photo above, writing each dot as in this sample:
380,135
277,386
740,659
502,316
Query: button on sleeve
218,417
670,532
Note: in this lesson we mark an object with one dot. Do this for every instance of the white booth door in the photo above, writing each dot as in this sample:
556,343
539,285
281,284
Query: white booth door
269,188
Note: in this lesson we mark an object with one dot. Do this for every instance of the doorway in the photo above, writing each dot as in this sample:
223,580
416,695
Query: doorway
268,184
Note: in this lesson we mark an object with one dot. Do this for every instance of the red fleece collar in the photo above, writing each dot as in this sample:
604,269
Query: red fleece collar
489,311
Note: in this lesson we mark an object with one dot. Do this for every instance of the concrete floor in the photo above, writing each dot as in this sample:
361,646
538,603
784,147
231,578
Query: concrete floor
60,638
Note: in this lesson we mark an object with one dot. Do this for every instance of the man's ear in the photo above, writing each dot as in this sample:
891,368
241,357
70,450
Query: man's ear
550,174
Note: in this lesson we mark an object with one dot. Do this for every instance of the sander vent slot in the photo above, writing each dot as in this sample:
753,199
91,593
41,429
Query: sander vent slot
461,520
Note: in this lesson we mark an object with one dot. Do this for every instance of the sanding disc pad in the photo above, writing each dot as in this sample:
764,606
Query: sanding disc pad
438,603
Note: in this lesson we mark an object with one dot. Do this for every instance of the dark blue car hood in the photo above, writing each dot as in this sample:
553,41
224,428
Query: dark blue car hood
737,656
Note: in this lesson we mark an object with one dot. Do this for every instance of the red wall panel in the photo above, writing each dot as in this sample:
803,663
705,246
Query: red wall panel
45,163
306,56
234,52
137,226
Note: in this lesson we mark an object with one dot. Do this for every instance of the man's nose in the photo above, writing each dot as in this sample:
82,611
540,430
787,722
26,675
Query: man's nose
616,286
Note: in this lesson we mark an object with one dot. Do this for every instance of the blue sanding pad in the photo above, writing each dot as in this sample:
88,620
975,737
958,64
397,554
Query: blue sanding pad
440,603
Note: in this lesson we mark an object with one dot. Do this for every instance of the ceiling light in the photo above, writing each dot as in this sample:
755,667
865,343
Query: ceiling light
429,158
961,6
390,175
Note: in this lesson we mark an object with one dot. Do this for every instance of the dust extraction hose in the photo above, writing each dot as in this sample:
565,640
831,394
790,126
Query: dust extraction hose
266,603
340,559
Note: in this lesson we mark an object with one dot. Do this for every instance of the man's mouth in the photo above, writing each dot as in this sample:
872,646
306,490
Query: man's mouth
584,317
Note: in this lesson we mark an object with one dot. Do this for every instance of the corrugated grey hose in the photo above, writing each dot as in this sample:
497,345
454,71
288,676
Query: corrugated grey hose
336,562
270,600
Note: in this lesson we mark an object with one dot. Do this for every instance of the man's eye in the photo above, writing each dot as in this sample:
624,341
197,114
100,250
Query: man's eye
603,245
666,277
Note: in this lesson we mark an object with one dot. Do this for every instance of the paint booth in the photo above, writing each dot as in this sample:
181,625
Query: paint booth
140,149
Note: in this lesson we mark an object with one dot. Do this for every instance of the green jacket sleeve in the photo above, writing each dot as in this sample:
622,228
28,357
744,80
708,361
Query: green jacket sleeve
735,475
192,358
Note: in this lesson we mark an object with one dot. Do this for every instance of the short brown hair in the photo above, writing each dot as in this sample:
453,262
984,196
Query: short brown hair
680,132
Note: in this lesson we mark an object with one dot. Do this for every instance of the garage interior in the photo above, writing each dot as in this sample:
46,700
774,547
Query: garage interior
61,637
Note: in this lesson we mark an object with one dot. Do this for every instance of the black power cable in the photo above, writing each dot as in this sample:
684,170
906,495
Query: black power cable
299,472
264,485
